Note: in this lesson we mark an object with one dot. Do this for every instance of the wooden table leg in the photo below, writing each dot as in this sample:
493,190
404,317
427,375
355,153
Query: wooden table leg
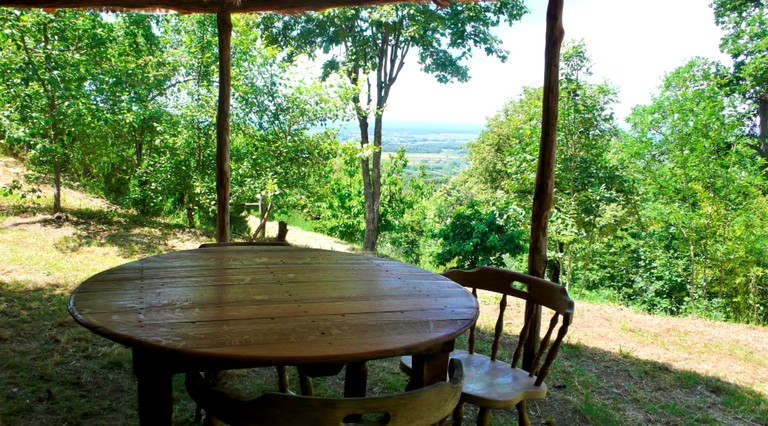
428,369
356,379
155,390
355,385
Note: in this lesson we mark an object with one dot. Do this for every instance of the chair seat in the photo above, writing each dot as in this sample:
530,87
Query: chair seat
491,384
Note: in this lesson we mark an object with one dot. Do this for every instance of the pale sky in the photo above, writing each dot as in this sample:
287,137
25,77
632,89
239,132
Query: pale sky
632,45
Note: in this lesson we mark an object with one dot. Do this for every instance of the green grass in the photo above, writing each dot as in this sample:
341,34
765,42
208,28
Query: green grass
297,219
53,371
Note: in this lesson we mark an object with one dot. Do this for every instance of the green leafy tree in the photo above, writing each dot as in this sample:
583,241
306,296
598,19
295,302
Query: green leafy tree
177,169
503,157
369,46
338,206
478,235
132,90
48,67
745,23
701,198
282,142
405,206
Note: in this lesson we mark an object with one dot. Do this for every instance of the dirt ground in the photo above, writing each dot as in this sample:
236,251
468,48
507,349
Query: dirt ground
732,352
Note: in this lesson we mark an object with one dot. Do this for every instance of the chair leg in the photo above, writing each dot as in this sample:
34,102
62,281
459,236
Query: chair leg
484,417
282,379
212,421
458,414
522,414
210,378
306,383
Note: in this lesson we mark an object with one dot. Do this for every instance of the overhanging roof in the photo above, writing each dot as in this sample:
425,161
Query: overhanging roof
199,6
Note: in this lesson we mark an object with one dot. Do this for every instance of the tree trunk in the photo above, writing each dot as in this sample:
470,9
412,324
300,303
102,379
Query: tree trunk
139,151
556,265
543,197
56,187
371,216
763,137
190,201
224,25
692,287
57,162
372,204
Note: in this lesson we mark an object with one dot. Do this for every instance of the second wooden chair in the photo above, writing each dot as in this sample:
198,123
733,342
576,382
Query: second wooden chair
494,384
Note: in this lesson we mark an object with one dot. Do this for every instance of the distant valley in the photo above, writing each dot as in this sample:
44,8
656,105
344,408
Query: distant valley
439,146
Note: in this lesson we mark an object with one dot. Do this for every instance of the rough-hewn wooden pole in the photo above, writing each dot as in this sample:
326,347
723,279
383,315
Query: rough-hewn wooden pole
543,196
224,25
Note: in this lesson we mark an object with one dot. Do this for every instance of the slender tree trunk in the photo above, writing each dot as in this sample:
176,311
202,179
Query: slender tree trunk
224,25
139,150
371,208
763,116
370,187
556,265
371,219
692,287
372,205
57,162
56,187
191,202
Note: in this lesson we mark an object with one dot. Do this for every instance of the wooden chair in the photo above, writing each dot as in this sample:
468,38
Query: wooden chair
427,406
491,383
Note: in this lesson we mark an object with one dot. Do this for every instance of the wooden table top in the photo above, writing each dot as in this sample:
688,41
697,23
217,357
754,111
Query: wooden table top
273,304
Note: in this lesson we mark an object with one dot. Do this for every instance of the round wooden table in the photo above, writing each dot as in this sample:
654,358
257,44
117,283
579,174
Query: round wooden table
239,306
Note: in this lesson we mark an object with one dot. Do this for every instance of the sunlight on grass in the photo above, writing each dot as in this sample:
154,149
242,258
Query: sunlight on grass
41,261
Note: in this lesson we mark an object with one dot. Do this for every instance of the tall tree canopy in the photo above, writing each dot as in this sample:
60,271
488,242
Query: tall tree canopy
48,86
369,46
503,158
746,40
701,205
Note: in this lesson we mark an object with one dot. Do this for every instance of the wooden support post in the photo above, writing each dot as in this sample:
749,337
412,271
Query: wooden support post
282,231
224,25
543,197
261,217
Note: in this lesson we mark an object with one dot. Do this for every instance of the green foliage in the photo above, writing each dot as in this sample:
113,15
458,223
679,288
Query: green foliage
404,214
701,197
276,151
503,158
338,209
746,40
478,235
444,37
49,79
368,47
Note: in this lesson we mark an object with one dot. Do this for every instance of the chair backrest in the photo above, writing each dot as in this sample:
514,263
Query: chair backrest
539,292
421,407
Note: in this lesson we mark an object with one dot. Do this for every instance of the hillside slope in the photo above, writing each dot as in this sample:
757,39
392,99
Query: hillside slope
618,366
